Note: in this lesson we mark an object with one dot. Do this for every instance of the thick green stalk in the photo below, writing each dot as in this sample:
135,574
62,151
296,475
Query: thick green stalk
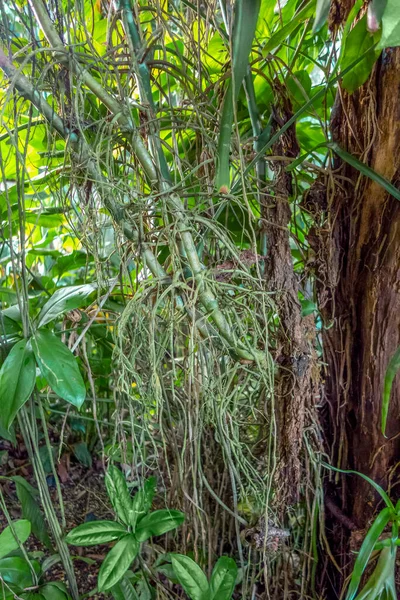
144,82
79,146
29,434
244,26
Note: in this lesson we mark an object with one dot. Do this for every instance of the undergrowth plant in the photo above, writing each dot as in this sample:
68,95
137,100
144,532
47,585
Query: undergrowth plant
195,583
159,278
21,575
380,584
135,525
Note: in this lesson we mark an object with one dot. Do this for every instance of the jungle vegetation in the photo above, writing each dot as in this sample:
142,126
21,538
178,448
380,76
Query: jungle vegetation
200,299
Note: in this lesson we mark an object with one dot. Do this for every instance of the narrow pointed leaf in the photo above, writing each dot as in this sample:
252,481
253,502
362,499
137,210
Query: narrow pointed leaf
365,551
223,579
365,170
95,532
190,576
158,523
117,562
375,485
391,371
59,367
63,300
118,493
17,380
142,501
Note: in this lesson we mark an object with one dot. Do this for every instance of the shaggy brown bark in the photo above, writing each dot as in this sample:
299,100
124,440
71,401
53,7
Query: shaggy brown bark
361,296
294,354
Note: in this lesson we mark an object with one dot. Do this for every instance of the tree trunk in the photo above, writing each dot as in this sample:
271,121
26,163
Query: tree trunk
360,295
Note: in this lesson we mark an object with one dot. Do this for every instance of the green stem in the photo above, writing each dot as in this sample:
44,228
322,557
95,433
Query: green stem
29,434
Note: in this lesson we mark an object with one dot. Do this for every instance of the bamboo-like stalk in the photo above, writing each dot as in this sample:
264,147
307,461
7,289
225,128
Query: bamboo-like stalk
29,434
206,296
67,58
245,21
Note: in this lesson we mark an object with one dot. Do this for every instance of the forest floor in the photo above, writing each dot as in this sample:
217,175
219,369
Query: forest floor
85,499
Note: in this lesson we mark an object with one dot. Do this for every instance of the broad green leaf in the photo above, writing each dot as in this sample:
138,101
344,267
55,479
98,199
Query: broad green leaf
82,454
95,532
367,547
17,380
124,590
64,300
391,372
118,493
31,510
391,25
321,14
142,501
54,591
8,542
117,562
59,367
190,576
283,32
223,579
15,570
365,170
358,42
158,522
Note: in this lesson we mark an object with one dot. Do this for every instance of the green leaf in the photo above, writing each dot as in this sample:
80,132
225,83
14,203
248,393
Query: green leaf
118,493
15,570
283,32
117,562
31,509
54,591
8,542
17,380
358,42
95,532
190,576
158,522
365,551
82,454
321,14
223,579
365,170
142,501
59,367
124,590
391,371
64,300
391,25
